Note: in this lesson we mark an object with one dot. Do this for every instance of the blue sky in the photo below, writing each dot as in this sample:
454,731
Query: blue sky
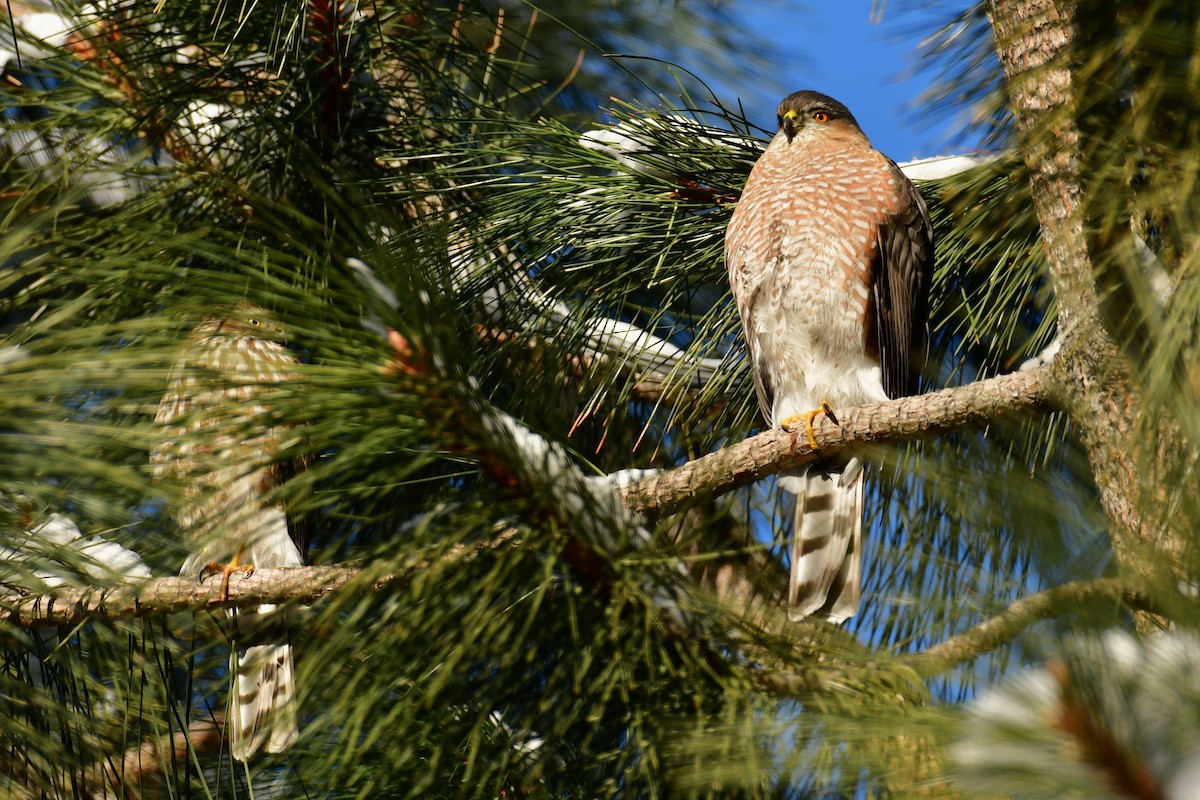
835,48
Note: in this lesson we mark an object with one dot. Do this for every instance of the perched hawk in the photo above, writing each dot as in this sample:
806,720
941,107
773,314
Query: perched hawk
829,254
222,443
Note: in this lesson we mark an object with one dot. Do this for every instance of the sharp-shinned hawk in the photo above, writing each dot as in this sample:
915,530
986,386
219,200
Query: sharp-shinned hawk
221,442
830,255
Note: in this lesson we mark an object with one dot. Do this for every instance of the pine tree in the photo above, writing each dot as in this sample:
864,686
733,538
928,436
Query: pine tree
546,548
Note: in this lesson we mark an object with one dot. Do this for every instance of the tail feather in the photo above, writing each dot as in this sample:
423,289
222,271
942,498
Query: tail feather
826,577
263,709
263,706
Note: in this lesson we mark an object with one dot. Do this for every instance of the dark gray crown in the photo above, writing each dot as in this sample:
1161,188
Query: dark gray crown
807,101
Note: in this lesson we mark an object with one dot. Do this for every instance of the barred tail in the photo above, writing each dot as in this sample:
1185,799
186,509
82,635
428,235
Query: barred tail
263,707
826,578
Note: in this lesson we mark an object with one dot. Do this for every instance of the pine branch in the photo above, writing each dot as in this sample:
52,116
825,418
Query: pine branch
975,405
77,605
952,409
968,406
1035,40
1005,626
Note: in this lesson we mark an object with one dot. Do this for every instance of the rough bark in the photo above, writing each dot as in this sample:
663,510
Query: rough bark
1035,41
921,416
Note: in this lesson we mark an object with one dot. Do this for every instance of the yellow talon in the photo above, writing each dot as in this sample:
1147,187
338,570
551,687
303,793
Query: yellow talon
225,570
808,418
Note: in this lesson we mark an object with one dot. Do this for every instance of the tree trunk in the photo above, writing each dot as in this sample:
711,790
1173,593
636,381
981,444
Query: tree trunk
1036,40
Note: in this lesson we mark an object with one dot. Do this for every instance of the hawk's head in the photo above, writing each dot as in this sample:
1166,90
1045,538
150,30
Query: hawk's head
244,320
809,114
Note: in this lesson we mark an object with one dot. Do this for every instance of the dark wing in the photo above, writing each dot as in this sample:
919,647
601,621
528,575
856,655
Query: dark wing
762,380
903,272
300,523
276,364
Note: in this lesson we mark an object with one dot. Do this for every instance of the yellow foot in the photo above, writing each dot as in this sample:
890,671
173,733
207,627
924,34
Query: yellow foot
225,570
808,418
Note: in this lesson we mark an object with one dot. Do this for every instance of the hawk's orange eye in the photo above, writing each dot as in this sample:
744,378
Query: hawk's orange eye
820,116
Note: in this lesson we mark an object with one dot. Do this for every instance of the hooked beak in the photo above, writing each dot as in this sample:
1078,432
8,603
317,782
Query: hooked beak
787,124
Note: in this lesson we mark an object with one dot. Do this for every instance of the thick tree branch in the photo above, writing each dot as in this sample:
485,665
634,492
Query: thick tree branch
971,406
974,405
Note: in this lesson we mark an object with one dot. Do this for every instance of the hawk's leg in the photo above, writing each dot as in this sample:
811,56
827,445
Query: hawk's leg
808,418
225,570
